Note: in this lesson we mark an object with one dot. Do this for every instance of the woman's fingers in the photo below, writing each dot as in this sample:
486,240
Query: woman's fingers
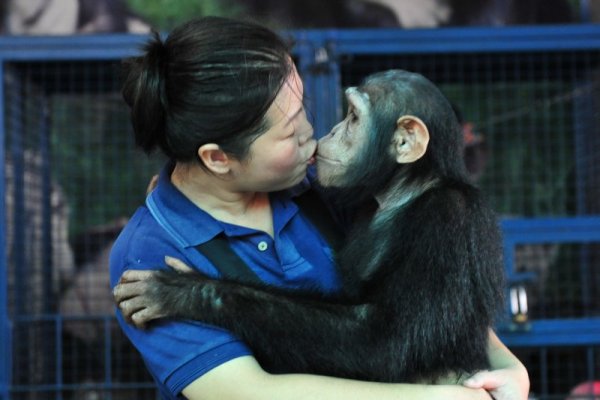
132,275
178,265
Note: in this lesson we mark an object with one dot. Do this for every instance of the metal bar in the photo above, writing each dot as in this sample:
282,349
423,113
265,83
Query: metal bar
51,317
552,230
544,371
354,41
58,327
81,386
583,112
17,148
563,332
49,349
326,90
78,47
303,51
334,89
589,355
107,357
461,40
509,267
582,127
44,148
5,336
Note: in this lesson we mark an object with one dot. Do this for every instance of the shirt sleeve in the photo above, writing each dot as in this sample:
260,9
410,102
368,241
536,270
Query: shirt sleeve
175,352
179,352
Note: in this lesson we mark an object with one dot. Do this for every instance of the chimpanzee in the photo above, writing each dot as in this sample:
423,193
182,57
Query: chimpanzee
422,276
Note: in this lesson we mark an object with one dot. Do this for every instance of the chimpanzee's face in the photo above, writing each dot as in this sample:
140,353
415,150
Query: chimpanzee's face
343,145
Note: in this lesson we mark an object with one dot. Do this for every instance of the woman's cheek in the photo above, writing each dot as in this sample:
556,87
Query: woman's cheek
286,157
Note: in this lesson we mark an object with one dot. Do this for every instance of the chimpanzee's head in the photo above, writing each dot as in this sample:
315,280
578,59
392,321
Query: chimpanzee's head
397,122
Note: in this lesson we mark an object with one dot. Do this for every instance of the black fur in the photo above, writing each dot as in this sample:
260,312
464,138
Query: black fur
423,279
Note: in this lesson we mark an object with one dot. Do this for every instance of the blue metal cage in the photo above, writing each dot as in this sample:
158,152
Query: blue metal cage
70,177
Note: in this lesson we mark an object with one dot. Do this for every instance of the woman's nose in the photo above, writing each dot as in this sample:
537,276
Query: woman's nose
306,133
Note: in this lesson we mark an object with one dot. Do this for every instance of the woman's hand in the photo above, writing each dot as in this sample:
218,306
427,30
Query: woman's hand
152,184
503,384
508,379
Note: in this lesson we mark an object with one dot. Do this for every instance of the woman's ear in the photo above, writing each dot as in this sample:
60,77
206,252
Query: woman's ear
214,158
410,139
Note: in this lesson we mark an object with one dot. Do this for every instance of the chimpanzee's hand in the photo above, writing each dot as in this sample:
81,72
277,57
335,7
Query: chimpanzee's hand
146,295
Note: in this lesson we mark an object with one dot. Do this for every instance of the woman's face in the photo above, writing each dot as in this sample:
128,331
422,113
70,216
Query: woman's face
278,159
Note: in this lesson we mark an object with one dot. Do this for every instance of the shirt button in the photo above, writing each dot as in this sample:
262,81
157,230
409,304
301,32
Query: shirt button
262,246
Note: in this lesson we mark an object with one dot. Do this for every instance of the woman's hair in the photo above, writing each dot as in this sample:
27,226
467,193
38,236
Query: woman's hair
211,81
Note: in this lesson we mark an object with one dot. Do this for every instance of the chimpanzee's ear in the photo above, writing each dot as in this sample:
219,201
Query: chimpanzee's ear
214,158
410,139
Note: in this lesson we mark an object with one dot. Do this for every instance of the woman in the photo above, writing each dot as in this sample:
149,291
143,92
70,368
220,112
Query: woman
222,99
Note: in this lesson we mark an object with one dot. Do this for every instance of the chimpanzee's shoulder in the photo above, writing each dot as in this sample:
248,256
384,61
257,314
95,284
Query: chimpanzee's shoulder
451,192
452,199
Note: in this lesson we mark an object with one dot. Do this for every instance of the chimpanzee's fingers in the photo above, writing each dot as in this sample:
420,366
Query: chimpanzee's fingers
130,307
145,315
127,290
132,275
178,265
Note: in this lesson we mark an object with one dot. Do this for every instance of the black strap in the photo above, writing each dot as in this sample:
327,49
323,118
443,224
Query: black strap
231,266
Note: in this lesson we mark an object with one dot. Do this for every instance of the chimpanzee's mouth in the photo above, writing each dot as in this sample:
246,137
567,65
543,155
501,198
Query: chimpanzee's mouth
320,158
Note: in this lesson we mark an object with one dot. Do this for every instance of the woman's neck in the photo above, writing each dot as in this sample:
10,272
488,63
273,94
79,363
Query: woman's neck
218,197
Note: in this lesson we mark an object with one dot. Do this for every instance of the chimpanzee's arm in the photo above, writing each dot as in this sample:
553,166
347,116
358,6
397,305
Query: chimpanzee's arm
304,330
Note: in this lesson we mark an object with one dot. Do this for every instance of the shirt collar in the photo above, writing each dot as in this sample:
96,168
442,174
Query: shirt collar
190,226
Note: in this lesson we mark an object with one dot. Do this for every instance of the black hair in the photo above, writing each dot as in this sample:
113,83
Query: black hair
211,81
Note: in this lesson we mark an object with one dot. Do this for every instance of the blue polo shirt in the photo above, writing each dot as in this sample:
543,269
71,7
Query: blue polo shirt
178,352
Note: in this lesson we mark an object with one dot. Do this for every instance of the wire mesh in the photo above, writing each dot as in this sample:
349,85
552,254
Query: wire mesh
562,373
565,279
73,177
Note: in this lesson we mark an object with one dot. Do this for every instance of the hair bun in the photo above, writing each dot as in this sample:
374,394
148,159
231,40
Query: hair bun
157,55
145,92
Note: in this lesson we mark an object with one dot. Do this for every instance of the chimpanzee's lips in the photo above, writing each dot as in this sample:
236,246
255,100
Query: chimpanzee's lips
320,158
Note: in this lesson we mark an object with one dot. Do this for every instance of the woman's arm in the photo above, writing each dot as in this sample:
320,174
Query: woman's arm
243,378
508,379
